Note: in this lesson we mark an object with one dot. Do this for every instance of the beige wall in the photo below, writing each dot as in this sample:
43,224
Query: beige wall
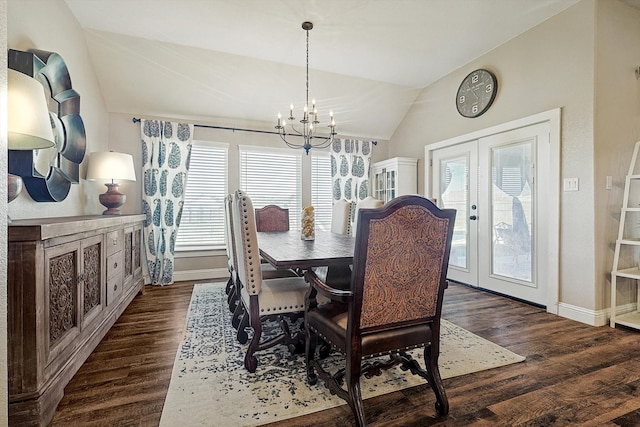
581,60
49,25
617,128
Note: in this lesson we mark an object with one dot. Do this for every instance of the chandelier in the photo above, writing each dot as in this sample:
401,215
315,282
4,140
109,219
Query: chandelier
309,122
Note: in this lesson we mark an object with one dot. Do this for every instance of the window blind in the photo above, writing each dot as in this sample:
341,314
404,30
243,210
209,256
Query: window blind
273,177
321,190
202,223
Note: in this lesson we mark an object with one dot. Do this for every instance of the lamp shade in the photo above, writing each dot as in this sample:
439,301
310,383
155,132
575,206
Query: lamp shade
29,125
109,165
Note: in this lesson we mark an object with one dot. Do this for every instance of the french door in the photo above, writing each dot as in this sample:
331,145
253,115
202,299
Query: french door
494,184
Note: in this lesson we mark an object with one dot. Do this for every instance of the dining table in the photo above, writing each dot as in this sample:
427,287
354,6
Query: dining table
330,254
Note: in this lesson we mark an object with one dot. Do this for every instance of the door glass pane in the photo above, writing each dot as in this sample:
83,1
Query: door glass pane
454,194
512,211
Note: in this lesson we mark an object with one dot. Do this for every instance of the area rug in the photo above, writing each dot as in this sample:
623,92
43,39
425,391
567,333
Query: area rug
210,386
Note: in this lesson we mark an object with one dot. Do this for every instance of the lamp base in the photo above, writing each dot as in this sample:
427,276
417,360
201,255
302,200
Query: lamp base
14,187
112,199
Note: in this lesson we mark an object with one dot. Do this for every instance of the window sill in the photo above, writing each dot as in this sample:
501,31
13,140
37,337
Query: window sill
200,252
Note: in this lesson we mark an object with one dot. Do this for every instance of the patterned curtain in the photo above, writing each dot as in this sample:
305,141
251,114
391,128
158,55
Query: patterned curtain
350,170
166,149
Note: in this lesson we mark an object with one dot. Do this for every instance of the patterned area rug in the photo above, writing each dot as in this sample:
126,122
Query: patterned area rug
210,386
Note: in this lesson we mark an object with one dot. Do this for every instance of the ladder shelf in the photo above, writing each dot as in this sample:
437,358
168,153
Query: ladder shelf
626,258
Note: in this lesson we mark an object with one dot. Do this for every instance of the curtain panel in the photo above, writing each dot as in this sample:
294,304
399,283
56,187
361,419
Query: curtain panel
166,150
350,170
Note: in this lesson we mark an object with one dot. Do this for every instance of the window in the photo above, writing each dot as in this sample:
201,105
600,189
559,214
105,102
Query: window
273,177
202,222
321,189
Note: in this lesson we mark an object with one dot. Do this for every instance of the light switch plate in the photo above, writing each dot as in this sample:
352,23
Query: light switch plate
570,184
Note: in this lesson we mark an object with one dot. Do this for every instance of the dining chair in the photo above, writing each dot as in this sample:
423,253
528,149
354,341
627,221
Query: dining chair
232,297
272,218
394,302
264,299
267,271
367,202
341,217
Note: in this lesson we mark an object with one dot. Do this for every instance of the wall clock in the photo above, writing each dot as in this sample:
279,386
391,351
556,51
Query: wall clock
476,93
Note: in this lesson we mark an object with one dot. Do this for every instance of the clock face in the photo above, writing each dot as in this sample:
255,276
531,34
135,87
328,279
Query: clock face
476,93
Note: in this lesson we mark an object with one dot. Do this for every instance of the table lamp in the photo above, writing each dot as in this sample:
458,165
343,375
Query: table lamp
29,125
109,165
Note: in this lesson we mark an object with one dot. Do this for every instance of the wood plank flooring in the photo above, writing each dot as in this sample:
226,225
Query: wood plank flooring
574,374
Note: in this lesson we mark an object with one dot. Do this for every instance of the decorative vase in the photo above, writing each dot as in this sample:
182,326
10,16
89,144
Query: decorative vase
308,229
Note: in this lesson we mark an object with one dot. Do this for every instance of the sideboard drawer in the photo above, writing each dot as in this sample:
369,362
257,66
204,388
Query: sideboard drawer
115,264
115,241
115,276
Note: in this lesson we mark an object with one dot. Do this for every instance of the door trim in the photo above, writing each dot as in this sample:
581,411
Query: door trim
553,230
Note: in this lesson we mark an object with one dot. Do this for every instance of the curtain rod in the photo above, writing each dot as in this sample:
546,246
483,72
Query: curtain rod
137,120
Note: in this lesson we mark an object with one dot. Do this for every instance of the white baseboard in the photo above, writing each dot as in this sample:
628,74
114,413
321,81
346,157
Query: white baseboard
591,317
206,274
217,274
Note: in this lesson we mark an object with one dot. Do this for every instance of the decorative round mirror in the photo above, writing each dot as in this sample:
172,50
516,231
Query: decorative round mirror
49,173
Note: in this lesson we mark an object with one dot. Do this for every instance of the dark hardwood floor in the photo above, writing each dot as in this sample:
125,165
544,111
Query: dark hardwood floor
574,374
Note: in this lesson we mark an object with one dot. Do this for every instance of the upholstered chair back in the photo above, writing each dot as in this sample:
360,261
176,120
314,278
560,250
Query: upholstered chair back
229,238
248,254
367,202
400,263
341,217
272,218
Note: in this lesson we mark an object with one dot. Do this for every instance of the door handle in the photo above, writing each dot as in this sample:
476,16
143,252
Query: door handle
473,217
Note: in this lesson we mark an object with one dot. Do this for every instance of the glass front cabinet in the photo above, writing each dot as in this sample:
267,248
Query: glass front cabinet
394,177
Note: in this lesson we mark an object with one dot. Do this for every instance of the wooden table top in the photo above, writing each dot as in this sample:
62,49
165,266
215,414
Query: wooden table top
287,250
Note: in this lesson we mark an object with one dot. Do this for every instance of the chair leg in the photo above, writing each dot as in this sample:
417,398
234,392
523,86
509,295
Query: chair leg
229,286
233,299
241,335
237,315
431,354
309,354
250,361
355,396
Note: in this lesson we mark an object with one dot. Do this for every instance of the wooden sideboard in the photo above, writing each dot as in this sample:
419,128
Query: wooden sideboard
69,279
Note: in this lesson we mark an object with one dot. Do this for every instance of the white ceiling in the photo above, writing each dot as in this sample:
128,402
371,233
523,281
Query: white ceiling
242,61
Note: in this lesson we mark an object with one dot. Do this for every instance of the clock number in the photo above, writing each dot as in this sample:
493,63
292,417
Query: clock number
474,78
489,88
462,99
474,109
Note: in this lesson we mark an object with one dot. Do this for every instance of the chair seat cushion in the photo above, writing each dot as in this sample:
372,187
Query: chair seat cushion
330,322
280,295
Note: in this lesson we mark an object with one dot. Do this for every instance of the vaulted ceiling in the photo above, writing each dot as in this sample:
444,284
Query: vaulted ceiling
241,62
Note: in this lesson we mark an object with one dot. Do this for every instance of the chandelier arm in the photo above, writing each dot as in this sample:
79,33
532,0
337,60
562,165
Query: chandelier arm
290,144
297,132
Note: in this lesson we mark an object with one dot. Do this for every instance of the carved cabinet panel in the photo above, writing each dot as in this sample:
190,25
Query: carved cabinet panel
132,255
